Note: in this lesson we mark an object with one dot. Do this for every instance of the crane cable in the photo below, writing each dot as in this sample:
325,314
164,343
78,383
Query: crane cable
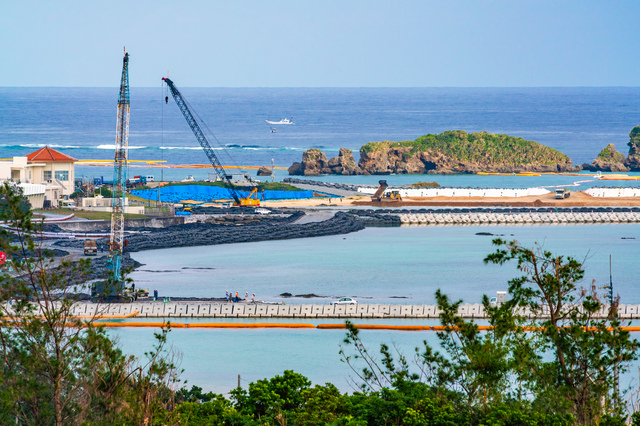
222,148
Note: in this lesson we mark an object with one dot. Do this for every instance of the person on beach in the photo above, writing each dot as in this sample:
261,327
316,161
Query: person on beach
246,297
253,297
237,297
226,295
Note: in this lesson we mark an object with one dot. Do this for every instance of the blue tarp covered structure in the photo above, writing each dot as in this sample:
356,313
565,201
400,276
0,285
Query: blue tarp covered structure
175,194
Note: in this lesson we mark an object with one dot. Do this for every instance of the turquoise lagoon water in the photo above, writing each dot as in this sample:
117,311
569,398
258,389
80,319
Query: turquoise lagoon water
385,265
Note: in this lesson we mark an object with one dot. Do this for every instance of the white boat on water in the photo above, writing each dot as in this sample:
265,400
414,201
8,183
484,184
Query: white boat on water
283,121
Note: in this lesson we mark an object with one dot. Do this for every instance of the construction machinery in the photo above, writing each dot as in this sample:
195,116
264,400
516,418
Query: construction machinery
113,288
204,143
382,196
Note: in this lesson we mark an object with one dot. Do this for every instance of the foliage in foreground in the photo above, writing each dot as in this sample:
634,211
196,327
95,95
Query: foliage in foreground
56,368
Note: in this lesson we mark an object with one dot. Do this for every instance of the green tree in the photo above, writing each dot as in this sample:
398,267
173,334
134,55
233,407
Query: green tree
104,191
275,398
56,368
579,350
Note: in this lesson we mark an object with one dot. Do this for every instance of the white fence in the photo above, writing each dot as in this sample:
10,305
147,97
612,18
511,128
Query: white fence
462,192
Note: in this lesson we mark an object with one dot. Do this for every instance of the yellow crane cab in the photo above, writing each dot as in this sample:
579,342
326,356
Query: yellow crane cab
248,201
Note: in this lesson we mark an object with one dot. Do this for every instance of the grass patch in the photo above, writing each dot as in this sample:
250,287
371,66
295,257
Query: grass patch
90,215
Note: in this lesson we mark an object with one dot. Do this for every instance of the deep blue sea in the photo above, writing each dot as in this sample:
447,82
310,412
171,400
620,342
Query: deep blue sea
81,122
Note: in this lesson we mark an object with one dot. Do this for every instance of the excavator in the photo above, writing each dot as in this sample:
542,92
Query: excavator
381,196
204,143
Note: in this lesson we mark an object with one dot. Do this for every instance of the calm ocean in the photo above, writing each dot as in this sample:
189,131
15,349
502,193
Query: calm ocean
81,121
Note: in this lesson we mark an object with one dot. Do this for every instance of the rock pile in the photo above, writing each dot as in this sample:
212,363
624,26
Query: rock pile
200,234
315,163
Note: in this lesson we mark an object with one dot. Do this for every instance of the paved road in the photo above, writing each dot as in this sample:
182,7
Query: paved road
327,190
315,216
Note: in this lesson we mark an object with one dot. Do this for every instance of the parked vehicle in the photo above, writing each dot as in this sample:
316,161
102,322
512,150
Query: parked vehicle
90,248
562,193
345,301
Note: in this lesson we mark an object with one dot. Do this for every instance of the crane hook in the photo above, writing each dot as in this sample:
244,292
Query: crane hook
166,99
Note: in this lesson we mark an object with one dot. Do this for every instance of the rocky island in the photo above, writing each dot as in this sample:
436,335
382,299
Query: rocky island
610,160
449,152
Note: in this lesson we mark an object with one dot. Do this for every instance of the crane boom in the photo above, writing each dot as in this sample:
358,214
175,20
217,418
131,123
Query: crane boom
204,143
116,240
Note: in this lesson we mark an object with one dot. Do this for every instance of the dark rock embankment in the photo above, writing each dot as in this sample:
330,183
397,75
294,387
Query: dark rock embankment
200,234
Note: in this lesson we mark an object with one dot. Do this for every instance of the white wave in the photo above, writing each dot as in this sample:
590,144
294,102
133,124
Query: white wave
183,147
42,145
196,148
114,147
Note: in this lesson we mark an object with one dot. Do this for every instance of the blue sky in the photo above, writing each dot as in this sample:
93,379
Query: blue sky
307,43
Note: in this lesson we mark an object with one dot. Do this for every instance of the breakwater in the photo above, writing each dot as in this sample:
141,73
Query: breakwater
518,218
200,309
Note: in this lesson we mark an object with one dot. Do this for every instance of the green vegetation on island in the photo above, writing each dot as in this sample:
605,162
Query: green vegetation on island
454,151
609,153
481,147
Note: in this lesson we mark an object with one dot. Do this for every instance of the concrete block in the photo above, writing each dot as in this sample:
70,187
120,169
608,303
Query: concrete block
463,311
362,309
192,309
126,309
339,309
405,310
294,310
632,310
227,309
165,310
395,310
216,310
261,310
384,309
180,309
238,309
317,309
250,310
417,310
374,309
284,310
350,309
328,310
305,310
474,310
77,309
147,308
431,311
204,310
272,310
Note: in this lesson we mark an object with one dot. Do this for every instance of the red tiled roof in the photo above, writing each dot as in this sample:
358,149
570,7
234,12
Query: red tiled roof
47,154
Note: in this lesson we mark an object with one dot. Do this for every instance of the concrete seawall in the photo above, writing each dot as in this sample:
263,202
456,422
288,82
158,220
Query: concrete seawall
522,218
201,309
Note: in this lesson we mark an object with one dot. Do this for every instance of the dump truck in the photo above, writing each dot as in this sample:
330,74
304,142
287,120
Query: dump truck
90,248
562,193
381,196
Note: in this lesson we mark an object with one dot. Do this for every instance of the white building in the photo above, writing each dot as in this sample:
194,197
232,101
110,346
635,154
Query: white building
45,166
101,204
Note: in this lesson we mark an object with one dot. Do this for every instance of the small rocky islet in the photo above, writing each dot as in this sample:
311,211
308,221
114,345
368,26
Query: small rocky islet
457,151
